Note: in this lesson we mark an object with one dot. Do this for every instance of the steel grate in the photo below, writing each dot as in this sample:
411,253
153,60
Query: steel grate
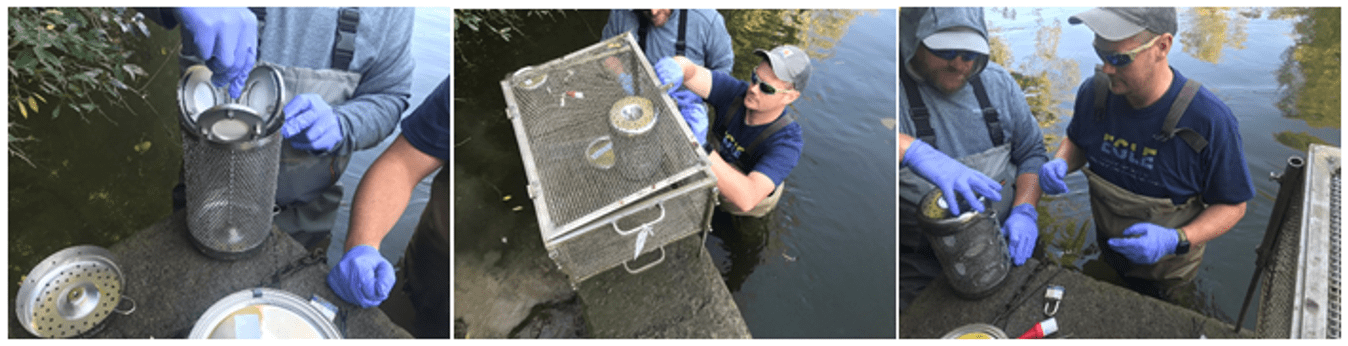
1335,287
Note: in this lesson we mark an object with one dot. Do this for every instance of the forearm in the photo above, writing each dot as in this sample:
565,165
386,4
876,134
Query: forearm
384,192
742,191
904,142
1214,221
1027,189
696,78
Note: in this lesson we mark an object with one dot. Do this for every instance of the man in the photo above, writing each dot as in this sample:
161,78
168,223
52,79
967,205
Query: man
349,70
699,35
965,129
363,277
1162,155
755,141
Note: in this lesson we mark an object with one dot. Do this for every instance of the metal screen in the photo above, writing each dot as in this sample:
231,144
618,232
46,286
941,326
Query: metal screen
571,113
230,193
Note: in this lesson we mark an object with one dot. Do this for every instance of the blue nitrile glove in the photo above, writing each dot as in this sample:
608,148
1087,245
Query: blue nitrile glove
1051,177
363,277
951,176
311,124
226,38
1145,243
1021,230
626,80
694,112
669,72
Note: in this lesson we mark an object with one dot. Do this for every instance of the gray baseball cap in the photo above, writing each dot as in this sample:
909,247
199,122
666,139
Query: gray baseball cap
789,63
1118,23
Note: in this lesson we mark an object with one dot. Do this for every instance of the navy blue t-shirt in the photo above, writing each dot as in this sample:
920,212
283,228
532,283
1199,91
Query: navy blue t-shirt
775,157
427,128
1122,150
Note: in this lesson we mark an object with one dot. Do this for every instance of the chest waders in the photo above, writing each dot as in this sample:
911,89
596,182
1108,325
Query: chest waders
920,248
308,189
426,263
768,203
1114,208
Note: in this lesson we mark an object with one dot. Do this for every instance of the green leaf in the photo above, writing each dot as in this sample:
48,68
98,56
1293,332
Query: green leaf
55,112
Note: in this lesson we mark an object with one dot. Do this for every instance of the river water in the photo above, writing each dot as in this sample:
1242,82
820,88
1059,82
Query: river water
97,181
823,264
1276,68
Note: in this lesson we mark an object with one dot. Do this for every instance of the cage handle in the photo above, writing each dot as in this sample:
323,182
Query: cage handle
646,267
647,225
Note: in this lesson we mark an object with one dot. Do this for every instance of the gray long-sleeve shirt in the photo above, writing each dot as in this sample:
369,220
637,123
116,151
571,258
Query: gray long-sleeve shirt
304,36
707,43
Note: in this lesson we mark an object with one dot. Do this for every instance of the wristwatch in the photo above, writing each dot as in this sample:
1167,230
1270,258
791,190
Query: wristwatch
1183,246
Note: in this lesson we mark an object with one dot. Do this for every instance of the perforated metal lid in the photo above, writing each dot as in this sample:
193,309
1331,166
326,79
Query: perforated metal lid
210,112
632,115
69,293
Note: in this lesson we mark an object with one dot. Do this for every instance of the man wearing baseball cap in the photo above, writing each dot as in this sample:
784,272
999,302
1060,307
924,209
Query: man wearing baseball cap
755,142
1162,155
965,129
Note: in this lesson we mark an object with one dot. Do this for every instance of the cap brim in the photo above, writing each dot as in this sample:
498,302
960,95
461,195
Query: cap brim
1108,25
963,40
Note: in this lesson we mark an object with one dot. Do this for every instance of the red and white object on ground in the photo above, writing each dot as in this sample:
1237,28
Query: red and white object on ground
1041,329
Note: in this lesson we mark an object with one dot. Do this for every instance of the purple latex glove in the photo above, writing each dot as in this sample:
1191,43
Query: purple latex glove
1021,230
363,277
311,124
1051,177
1145,243
951,176
226,38
693,111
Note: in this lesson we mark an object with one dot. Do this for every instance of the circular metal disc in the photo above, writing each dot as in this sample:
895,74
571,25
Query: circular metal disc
600,153
262,92
263,313
196,94
69,293
632,115
976,331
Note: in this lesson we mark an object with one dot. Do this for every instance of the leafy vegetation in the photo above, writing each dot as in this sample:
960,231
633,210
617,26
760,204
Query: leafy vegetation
61,59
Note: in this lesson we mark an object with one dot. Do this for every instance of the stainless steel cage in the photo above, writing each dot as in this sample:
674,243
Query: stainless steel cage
613,170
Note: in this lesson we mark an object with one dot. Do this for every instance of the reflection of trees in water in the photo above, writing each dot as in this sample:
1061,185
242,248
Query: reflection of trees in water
1048,80
1210,29
1310,71
815,31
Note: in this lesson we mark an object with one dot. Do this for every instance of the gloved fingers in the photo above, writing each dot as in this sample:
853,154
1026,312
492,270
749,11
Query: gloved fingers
986,187
967,191
1135,230
299,115
385,277
951,201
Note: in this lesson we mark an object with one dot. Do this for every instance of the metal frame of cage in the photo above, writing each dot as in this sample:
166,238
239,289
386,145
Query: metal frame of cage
583,246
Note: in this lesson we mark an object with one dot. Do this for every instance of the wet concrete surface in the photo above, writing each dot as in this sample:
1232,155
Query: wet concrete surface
1089,309
172,284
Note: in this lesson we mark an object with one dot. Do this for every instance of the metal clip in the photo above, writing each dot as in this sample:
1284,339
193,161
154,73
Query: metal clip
1052,298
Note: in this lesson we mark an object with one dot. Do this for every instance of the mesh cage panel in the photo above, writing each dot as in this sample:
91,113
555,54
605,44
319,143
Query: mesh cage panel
1278,280
1335,281
568,103
599,247
230,194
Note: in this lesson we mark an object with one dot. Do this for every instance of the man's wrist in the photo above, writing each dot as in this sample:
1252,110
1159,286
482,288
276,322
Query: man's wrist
1182,245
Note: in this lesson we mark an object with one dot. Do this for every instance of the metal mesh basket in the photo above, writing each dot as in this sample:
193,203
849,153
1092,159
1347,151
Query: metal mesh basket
231,158
597,134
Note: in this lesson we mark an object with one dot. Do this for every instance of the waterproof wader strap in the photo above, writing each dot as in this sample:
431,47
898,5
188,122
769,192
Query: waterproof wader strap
1186,95
918,110
989,113
344,45
777,125
643,25
681,44
1101,85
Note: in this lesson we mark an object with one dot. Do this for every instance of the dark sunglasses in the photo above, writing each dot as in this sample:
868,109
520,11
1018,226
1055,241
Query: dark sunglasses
763,86
950,54
1124,58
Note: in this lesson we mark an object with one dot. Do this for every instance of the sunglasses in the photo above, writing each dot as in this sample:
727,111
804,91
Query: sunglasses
1124,58
950,54
763,86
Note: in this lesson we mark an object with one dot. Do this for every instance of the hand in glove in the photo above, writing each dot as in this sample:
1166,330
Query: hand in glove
694,112
1051,177
1021,230
311,124
1145,243
362,277
226,38
952,177
669,72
